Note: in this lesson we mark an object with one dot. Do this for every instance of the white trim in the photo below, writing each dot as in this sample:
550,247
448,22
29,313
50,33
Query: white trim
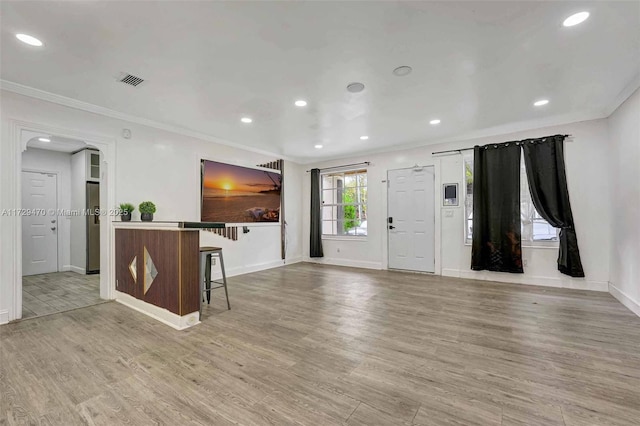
568,282
241,270
104,144
625,299
453,273
85,106
293,260
359,238
76,269
4,316
163,315
624,94
345,262
520,126
501,130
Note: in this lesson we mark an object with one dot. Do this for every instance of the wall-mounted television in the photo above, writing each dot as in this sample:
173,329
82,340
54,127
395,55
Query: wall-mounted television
236,194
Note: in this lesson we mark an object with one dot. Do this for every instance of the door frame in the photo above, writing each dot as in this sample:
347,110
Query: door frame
437,212
16,146
59,242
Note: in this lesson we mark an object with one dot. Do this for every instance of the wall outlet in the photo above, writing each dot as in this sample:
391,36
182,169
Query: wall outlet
448,213
525,262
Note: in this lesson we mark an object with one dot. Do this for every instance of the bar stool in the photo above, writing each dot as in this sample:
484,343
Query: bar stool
206,254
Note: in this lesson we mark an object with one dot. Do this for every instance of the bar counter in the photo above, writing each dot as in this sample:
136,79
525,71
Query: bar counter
157,269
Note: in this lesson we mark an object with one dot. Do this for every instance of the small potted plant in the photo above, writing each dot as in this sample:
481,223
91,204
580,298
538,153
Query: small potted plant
125,211
147,209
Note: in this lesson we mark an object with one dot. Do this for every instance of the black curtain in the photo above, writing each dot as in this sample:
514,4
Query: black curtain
315,249
544,160
496,243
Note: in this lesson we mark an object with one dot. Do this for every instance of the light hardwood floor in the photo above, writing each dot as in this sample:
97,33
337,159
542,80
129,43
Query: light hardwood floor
320,345
47,294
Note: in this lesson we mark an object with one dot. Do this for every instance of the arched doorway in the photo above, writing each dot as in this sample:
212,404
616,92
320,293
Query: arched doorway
22,138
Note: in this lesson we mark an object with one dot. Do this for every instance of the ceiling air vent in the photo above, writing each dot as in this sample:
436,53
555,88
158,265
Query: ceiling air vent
131,80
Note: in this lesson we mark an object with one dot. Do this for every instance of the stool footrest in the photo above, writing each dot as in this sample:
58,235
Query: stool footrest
212,288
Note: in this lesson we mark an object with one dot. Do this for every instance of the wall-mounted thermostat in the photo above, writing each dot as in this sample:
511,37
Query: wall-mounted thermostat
450,194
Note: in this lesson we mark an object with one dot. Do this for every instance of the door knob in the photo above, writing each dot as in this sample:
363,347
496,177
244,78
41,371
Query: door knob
53,229
392,227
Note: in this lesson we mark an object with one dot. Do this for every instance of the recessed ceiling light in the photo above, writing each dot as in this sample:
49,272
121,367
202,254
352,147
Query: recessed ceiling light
355,87
246,120
364,138
575,19
434,122
30,40
541,102
402,71
318,146
301,103
44,139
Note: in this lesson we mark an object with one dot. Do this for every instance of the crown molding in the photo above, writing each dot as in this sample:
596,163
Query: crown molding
32,92
521,126
624,94
502,130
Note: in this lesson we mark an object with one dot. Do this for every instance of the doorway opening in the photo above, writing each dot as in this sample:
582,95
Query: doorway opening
411,219
60,211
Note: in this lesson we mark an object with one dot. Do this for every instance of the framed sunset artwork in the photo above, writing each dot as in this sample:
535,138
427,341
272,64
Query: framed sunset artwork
237,194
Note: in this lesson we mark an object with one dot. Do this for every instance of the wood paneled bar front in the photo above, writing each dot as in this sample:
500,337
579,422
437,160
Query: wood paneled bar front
157,269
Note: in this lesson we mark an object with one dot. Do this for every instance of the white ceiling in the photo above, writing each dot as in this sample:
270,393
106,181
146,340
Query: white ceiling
476,65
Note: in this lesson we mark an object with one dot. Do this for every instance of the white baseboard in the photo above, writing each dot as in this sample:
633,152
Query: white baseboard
4,316
232,272
65,268
568,282
293,260
625,299
77,269
163,315
345,262
451,273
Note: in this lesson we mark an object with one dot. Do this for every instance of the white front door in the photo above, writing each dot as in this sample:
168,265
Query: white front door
39,226
411,219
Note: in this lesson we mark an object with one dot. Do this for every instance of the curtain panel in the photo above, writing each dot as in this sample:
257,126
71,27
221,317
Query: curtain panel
496,242
544,161
315,247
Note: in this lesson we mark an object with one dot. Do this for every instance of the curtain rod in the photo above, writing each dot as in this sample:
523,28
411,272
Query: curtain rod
471,149
365,163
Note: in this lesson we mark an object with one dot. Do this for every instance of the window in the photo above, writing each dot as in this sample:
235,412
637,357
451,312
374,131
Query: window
344,203
535,230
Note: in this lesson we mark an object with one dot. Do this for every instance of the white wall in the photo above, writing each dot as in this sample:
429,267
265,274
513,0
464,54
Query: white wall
588,180
60,163
624,157
154,165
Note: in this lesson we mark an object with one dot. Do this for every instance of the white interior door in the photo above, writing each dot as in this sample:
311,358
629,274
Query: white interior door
411,219
39,227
